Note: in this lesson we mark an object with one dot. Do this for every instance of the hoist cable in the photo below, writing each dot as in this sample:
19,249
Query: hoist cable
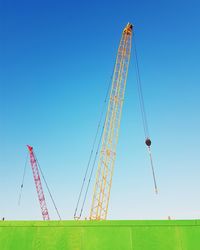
93,146
88,164
140,93
22,183
54,204
152,168
143,112
92,170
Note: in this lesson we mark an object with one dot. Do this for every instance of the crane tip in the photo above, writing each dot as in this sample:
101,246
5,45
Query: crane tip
128,29
29,148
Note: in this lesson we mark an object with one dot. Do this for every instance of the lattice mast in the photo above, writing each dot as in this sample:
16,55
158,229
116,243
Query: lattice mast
38,184
101,195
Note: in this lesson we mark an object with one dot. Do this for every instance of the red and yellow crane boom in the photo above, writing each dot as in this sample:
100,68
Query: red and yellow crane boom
101,195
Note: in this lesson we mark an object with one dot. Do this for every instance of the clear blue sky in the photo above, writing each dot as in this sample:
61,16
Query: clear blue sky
56,58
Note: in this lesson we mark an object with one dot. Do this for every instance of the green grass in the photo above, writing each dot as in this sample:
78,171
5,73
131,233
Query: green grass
101,235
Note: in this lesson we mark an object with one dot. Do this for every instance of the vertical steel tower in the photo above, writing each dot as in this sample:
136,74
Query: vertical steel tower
38,184
107,156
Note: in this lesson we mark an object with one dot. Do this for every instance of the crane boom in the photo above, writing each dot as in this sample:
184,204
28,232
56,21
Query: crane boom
38,184
101,195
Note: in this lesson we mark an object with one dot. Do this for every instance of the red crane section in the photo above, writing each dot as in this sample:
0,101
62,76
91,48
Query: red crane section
38,184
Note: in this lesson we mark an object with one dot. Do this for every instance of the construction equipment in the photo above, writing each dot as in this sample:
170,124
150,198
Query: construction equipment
38,184
107,156
109,136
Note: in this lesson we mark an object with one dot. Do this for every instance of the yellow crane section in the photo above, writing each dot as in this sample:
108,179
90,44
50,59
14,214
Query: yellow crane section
101,195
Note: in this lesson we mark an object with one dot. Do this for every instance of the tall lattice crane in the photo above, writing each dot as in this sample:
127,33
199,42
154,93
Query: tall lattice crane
101,195
38,184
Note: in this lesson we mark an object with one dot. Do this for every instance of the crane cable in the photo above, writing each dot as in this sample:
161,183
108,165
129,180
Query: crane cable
92,170
90,156
88,164
143,113
54,204
22,183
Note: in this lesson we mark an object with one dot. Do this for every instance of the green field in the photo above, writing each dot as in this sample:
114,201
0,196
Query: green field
101,235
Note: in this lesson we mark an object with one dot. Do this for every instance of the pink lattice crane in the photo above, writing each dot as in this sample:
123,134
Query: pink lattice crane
38,184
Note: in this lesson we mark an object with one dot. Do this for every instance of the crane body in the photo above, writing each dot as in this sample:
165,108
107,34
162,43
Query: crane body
38,184
107,155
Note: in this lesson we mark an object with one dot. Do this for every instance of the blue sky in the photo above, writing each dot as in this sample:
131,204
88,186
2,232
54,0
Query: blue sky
56,59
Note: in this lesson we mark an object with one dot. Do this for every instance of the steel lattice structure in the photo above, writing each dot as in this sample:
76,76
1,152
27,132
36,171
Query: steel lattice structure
107,156
38,184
